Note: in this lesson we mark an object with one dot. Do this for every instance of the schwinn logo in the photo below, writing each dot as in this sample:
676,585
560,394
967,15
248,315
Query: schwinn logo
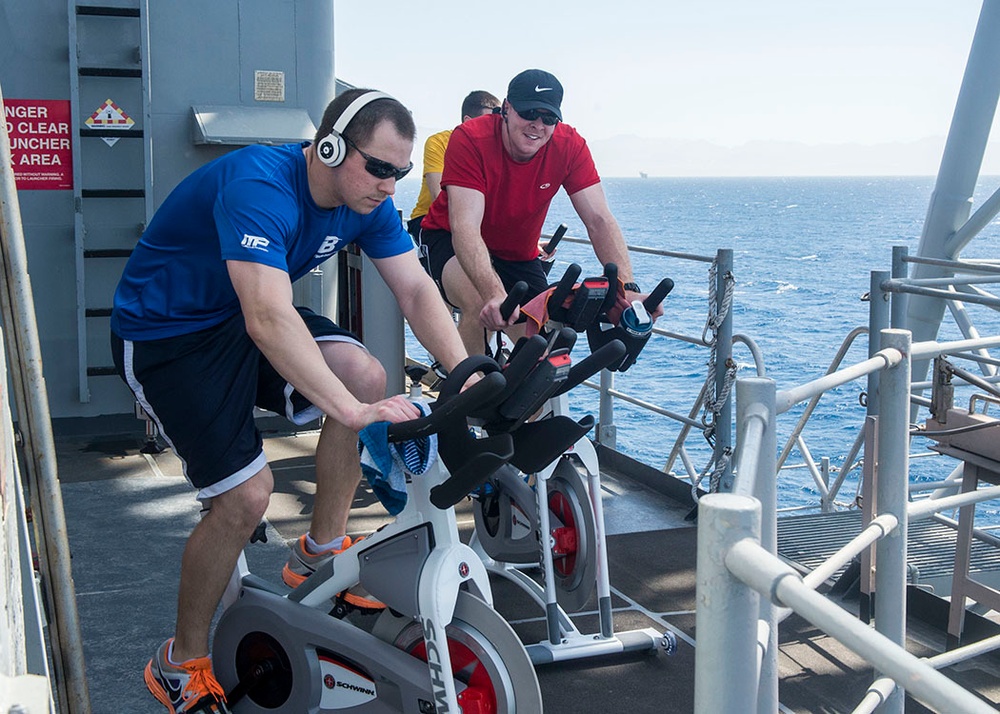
356,688
434,663
344,686
255,242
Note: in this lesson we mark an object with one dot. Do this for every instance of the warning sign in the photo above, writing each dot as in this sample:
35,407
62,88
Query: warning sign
110,116
41,152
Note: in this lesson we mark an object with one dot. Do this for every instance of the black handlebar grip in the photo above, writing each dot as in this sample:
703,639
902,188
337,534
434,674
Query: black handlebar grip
556,237
661,291
457,407
564,286
611,273
513,299
593,363
460,375
492,453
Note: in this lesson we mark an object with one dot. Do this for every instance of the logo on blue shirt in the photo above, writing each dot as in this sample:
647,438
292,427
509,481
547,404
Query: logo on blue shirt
255,242
328,246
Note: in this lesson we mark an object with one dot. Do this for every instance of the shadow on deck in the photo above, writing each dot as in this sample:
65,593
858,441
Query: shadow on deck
129,514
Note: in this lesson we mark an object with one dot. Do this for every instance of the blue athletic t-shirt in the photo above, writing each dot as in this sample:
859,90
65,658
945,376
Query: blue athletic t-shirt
253,204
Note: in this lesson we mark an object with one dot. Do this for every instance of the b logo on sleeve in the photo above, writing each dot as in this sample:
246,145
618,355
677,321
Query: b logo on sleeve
328,246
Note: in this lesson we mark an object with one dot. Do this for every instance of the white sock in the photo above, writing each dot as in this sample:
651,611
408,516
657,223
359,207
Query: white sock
170,655
314,548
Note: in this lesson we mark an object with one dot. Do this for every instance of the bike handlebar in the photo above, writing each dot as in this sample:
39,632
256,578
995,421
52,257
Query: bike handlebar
611,273
660,292
565,285
513,299
556,237
593,363
447,410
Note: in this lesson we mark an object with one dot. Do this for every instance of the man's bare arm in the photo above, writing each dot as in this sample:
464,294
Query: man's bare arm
433,181
466,208
603,230
273,323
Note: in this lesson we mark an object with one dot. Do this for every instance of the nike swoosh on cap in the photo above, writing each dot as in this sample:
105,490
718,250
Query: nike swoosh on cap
543,89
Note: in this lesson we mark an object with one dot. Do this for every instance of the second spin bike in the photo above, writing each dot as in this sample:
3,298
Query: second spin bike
543,508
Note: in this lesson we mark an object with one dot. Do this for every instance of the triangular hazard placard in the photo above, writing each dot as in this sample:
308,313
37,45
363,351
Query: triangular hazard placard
110,116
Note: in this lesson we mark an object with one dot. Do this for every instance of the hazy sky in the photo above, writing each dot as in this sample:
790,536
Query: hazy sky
725,71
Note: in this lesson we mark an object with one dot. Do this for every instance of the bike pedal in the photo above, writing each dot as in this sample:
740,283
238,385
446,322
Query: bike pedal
259,533
342,608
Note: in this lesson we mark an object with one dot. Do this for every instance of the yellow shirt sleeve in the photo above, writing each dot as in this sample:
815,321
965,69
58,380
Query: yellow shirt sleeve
434,149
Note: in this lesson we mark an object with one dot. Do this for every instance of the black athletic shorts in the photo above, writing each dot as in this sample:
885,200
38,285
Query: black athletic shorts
413,227
201,389
439,250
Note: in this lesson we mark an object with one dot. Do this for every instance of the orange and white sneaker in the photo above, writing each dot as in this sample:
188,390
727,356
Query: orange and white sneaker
188,688
301,564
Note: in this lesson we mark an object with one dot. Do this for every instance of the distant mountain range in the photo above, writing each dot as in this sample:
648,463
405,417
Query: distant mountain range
633,155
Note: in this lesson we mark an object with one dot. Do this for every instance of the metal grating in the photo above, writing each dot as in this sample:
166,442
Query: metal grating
807,541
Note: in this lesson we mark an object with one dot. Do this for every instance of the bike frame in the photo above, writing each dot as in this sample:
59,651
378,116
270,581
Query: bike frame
375,562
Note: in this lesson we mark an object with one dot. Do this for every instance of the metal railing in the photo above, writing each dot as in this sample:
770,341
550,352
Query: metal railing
742,584
887,307
35,428
714,400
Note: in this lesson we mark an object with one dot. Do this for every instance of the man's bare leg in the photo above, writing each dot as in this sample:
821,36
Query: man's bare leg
464,295
211,553
338,469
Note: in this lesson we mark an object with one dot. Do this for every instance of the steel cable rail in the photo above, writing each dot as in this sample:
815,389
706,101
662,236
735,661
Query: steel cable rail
714,399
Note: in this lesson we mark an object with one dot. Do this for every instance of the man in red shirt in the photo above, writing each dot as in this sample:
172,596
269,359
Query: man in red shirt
500,175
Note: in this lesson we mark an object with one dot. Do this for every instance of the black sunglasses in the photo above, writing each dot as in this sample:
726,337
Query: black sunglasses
378,168
548,118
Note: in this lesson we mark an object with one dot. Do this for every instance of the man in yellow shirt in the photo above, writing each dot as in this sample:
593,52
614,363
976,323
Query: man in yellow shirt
478,103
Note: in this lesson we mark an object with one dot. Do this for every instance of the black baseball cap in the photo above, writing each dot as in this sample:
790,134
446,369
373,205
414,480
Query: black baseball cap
535,89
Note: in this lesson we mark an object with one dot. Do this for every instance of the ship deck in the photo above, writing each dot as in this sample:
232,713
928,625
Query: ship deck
129,513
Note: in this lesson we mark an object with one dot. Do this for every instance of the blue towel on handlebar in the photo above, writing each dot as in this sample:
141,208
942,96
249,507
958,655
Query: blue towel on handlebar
387,466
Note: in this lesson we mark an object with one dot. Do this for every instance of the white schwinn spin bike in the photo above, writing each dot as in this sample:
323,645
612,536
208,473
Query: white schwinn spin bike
438,647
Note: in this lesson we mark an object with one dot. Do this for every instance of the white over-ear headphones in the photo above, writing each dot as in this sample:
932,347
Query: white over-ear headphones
331,149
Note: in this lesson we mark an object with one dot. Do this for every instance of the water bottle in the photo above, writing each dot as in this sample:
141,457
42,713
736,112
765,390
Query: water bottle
636,320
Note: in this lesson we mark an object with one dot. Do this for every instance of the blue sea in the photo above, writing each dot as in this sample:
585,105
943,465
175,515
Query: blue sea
803,251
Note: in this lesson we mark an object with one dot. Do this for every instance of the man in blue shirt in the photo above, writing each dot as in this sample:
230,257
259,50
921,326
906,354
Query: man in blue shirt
204,330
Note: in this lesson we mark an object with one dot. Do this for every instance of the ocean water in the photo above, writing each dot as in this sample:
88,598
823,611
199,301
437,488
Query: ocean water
803,251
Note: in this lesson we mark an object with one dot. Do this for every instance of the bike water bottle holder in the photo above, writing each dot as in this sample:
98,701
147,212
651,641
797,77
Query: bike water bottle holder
601,333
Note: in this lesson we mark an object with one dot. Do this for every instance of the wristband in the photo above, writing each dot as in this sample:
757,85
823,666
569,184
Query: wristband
631,287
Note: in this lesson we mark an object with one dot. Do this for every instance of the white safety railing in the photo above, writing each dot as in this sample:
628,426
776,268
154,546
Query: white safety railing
743,587
828,477
30,400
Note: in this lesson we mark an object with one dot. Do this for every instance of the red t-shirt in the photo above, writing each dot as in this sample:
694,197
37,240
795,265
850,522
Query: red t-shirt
517,194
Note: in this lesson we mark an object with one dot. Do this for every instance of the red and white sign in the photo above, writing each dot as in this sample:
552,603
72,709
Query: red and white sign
110,116
41,148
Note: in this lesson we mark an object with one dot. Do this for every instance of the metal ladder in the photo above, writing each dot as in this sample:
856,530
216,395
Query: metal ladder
112,148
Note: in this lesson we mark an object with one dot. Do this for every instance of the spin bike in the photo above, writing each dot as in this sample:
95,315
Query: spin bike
438,646
556,523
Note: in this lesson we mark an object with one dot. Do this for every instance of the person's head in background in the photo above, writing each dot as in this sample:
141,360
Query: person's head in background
478,103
